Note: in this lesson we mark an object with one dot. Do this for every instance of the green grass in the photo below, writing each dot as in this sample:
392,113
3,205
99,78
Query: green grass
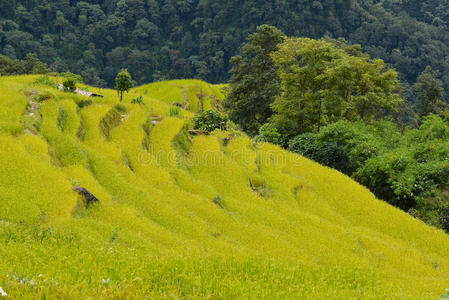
189,217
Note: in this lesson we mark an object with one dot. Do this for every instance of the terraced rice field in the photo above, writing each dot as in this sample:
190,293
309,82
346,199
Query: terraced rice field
187,217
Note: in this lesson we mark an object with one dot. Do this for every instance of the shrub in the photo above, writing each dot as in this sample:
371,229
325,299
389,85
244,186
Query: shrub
269,133
305,144
326,153
391,177
45,80
433,128
76,77
210,120
69,85
357,141
445,115
431,176
431,151
343,145
332,155
360,153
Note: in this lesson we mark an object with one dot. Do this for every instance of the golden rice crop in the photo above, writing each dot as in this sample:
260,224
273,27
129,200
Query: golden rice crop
204,217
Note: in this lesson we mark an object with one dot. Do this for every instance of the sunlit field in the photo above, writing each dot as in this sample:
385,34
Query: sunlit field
181,216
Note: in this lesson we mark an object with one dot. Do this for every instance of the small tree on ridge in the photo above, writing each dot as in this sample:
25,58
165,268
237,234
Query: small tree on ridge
123,82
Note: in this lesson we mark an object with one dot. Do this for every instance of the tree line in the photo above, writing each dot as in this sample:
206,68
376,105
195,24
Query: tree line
166,39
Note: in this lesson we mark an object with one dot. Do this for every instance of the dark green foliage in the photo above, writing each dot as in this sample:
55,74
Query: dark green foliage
158,40
410,171
9,66
444,218
344,146
324,81
123,83
306,144
269,133
334,156
69,85
30,65
255,81
429,93
390,177
433,129
328,153
210,120
77,78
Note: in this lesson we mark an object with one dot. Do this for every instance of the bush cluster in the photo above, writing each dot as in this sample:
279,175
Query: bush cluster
69,85
210,120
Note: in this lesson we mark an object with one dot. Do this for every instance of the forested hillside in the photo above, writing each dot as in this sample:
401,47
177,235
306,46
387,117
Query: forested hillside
190,38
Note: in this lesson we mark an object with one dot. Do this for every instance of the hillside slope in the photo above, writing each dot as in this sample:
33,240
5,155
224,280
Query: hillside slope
187,217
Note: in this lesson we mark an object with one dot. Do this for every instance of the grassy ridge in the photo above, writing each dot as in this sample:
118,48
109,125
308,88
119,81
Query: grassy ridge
186,217
183,91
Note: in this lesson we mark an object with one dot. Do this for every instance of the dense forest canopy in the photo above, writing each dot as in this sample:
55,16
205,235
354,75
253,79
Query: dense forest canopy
164,39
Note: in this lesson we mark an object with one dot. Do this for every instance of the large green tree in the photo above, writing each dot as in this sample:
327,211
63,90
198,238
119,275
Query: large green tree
254,82
324,81
429,93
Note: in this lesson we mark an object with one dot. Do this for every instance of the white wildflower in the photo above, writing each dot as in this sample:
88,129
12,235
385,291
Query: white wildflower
2,292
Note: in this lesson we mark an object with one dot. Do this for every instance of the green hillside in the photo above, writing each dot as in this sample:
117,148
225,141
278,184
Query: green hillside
180,216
